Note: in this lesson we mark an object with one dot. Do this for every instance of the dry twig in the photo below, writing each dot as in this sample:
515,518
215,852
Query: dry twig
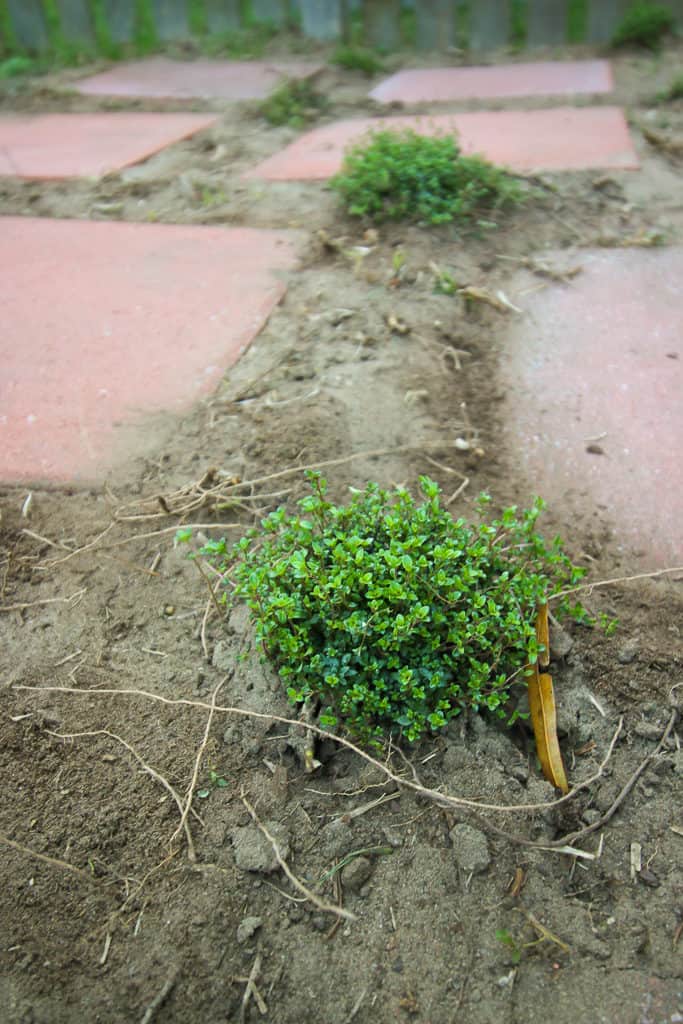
441,799
327,908
193,782
53,861
146,767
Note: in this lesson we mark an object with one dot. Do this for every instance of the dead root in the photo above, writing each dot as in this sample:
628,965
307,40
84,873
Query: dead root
449,801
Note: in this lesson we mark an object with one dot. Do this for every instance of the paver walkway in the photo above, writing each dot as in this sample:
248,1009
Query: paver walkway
161,78
595,382
541,78
104,322
562,138
48,146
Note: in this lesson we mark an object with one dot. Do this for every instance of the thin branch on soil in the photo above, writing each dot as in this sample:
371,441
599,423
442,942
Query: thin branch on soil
44,540
77,551
161,995
441,799
48,860
195,495
47,600
616,804
327,908
618,579
457,492
356,1006
212,593
146,767
192,856
356,812
251,990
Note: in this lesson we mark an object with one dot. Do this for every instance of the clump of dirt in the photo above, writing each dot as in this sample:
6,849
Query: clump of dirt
141,882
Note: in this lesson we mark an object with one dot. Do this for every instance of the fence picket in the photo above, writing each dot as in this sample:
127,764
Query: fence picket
381,24
547,22
435,28
489,24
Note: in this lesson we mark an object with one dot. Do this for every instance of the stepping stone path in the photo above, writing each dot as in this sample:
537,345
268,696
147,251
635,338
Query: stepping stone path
594,379
159,78
561,138
105,321
46,146
549,78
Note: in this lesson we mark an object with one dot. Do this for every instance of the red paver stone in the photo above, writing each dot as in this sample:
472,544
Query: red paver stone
561,138
542,78
48,146
104,322
161,78
600,362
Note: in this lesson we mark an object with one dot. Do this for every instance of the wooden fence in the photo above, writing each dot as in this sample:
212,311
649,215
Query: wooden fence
385,25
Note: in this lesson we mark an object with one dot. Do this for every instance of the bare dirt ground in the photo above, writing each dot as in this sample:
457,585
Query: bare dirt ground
108,910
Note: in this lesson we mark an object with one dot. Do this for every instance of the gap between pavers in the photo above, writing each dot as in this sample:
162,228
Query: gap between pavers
557,139
594,380
55,146
161,78
105,325
502,81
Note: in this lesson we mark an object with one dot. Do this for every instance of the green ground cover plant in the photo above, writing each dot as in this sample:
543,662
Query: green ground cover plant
390,613
355,58
674,91
293,103
644,24
406,176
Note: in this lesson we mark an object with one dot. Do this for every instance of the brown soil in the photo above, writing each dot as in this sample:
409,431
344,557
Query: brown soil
104,915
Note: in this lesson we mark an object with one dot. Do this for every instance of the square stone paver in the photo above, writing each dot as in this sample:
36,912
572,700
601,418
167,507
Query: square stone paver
594,377
104,324
557,139
160,78
541,78
48,146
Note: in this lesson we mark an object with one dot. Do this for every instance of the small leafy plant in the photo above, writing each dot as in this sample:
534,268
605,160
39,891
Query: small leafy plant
390,613
216,781
644,24
357,59
674,91
15,66
406,176
293,103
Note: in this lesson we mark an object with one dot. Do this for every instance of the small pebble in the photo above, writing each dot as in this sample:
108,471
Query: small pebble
248,927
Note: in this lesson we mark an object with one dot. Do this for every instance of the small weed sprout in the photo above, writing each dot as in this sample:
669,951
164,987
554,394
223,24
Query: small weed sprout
357,59
294,104
444,282
391,614
644,24
674,91
406,176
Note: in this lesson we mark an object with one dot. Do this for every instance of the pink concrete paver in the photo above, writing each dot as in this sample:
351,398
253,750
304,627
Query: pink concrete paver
47,146
161,78
105,322
599,362
562,138
541,78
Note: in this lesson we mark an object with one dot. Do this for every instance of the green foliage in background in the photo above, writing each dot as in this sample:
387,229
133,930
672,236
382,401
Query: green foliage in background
355,58
103,39
146,38
644,24
390,612
406,176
